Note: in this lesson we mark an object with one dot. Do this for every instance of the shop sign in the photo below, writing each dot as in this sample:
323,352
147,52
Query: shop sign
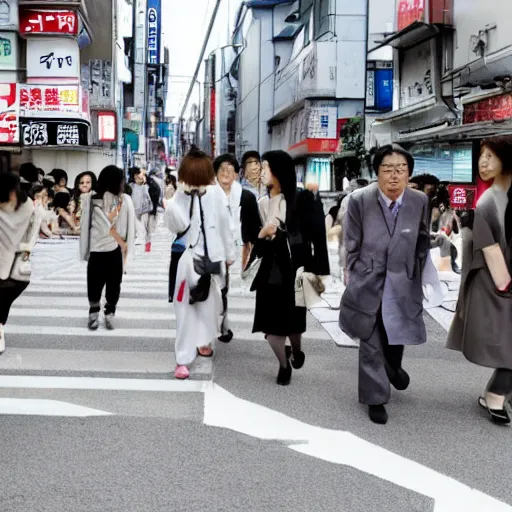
48,22
9,114
322,121
410,11
8,51
154,31
497,108
51,57
462,197
35,99
9,19
37,133
107,127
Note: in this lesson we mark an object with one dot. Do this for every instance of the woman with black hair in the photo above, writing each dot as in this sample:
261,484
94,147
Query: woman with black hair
293,236
106,235
66,221
85,182
61,180
19,228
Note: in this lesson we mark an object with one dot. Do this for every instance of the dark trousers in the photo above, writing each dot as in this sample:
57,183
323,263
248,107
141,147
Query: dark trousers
10,290
224,328
375,355
173,271
501,382
105,270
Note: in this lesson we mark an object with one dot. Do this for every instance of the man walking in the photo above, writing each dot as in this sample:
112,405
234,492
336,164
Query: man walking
386,236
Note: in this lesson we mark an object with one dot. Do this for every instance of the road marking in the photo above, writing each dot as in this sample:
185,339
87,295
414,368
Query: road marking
224,410
103,384
36,407
56,330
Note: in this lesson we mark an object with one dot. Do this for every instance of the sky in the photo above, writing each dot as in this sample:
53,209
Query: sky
184,24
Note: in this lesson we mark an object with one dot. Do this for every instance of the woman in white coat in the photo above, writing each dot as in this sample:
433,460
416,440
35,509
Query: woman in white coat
198,215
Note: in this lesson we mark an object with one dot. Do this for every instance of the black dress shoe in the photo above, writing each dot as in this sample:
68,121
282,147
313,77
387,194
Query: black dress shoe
226,338
285,375
399,379
298,360
378,414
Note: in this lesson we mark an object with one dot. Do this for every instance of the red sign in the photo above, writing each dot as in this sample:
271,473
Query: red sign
48,22
9,114
497,108
35,99
410,11
462,197
107,127
212,119
314,146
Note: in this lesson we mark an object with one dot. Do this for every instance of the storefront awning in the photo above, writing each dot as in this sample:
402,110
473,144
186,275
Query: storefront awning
416,33
459,133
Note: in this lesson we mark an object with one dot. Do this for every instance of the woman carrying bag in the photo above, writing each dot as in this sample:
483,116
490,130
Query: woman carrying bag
19,228
107,219
199,213
293,237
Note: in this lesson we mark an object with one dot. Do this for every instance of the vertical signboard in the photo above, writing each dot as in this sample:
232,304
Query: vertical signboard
154,31
9,114
410,11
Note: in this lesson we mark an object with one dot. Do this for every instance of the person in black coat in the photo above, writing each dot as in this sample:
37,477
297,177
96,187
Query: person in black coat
293,236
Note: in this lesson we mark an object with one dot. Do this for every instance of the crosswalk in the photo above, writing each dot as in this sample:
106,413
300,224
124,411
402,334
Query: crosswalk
47,333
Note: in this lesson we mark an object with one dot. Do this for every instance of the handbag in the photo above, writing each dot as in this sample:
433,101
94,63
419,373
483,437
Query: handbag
308,289
21,269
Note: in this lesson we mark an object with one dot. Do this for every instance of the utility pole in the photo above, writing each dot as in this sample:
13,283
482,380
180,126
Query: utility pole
200,60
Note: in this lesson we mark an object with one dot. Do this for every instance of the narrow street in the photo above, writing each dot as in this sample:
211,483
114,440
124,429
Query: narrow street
115,432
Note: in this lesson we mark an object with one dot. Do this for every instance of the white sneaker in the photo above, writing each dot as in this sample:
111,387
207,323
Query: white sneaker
2,339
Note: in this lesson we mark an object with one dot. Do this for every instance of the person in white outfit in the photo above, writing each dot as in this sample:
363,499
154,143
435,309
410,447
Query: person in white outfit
199,212
245,222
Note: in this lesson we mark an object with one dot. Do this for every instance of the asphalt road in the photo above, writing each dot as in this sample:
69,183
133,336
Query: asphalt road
148,448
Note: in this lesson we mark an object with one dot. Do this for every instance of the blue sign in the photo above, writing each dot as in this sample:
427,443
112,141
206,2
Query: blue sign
154,31
384,89
324,121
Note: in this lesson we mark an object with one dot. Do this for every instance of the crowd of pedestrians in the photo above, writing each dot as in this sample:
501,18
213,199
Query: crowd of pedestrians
221,213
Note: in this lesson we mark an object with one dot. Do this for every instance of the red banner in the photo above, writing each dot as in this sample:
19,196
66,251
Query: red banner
410,11
48,22
497,108
9,114
462,197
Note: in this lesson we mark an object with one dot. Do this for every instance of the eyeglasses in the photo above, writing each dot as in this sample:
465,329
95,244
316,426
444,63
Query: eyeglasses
400,169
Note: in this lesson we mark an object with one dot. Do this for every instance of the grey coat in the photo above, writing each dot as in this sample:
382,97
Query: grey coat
385,264
482,326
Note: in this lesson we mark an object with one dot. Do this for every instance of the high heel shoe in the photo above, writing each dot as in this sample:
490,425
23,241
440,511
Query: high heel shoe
497,416
285,375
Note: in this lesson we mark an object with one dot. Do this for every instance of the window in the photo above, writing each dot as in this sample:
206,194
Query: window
307,35
319,172
321,25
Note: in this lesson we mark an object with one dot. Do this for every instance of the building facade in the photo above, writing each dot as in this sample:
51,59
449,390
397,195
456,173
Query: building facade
301,77
453,83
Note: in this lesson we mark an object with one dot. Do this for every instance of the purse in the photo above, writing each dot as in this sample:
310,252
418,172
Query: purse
21,269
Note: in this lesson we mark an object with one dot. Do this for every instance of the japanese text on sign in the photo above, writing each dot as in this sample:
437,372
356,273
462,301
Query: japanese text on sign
35,134
51,22
68,134
49,99
462,197
410,11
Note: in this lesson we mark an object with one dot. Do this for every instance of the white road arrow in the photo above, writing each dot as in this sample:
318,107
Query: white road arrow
34,407
224,410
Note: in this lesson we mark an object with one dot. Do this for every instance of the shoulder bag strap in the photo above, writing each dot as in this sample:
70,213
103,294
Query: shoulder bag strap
202,227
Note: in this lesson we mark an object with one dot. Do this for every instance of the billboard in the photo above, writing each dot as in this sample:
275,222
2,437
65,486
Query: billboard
37,99
52,57
154,31
410,11
34,21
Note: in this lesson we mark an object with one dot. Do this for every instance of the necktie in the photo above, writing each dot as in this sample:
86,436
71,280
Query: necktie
394,207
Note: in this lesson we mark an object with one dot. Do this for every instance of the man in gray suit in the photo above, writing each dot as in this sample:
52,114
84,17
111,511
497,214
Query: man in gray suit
386,236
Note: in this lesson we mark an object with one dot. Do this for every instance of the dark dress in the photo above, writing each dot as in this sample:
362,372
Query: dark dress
274,283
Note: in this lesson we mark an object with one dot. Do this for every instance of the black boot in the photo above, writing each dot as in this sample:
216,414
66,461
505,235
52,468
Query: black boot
378,414
285,375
